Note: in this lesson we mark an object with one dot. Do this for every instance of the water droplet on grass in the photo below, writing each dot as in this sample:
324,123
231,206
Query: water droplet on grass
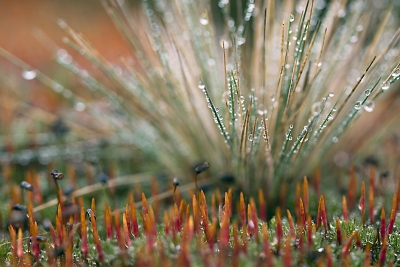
367,92
291,18
80,106
316,108
203,19
250,138
201,85
29,74
369,106
357,105
396,73
385,86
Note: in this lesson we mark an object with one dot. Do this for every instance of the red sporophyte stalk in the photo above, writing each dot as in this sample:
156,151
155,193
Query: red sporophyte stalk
96,237
392,214
176,227
291,225
35,244
196,216
344,208
382,256
213,208
126,230
236,245
93,205
263,206
135,225
361,203
108,221
309,230
117,225
338,232
352,188
279,231
242,210
319,215
224,231
346,247
13,242
152,221
128,215
324,214
329,257
144,204
266,246
20,249
84,240
253,218
244,239
210,234
383,224
166,223
371,193
302,214
59,226
358,240
287,256
305,195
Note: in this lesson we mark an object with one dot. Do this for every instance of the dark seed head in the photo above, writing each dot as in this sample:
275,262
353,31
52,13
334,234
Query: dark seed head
67,203
176,181
39,239
88,212
69,190
58,252
19,207
17,219
46,225
57,175
385,174
102,178
27,186
202,167
227,178
371,160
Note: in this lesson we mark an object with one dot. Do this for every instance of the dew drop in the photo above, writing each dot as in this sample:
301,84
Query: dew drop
250,138
62,24
203,19
29,74
357,105
320,249
316,108
396,73
80,106
291,18
385,86
369,106
335,139
331,94
201,85
367,92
